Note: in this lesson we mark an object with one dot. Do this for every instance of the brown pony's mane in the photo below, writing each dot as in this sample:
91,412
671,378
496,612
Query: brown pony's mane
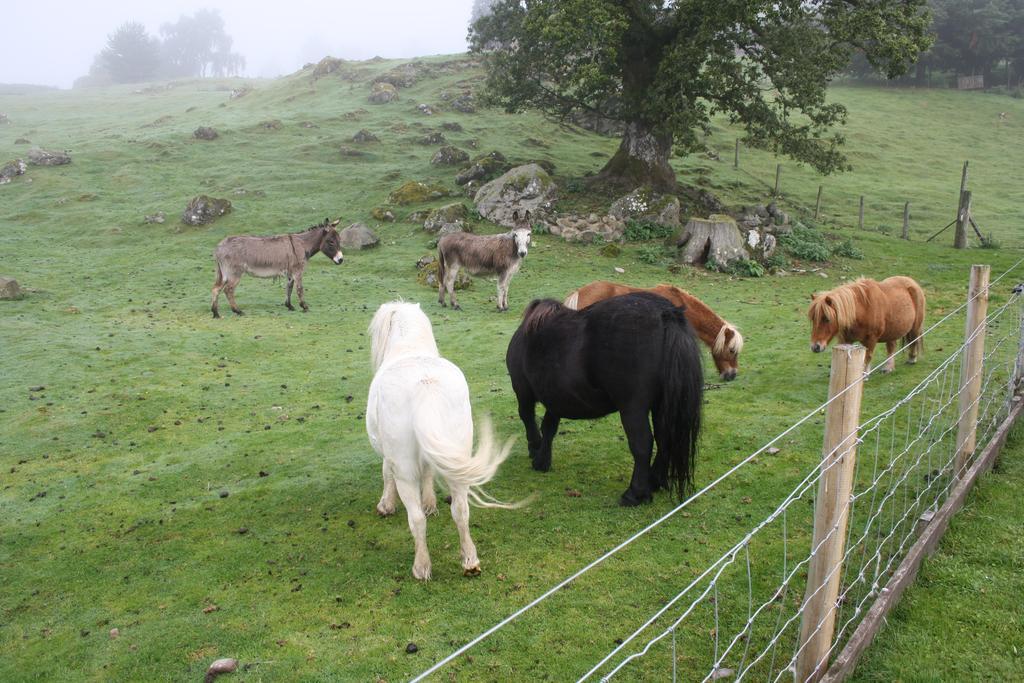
839,304
538,313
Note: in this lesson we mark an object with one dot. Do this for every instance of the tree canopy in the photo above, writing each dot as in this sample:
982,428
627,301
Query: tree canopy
665,68
131,54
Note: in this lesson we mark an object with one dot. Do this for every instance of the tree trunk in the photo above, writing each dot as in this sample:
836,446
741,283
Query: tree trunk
642,159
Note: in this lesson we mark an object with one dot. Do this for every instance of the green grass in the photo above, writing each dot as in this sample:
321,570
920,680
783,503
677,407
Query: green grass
151,408
961,619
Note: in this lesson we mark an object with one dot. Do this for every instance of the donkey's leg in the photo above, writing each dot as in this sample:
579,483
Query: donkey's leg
503,280
219,285
302,293
427,492
449,284
460,513
641,443
890,363
409,492
386,506
229,290
288,296
548,430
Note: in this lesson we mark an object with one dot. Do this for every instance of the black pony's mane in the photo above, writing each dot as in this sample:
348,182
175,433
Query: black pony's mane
539,312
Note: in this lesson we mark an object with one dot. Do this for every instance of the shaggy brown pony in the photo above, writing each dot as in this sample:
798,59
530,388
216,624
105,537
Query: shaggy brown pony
720,336
870,312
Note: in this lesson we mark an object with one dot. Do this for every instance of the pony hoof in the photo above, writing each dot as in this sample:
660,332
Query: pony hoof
237,311
456,307
385,510
289,307
629,499
421,573
430,508
541,466
216,314
305,309
471,571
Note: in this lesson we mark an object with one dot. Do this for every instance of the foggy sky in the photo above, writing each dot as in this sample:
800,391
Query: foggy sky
50,42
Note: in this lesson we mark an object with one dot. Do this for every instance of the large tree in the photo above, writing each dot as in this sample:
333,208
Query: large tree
131,55
199,45
665,67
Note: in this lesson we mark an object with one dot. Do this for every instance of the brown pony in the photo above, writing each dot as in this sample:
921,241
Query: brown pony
722,337
870,312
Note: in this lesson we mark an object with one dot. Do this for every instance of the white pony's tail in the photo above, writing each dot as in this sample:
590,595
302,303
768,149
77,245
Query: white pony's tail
572,301
454,464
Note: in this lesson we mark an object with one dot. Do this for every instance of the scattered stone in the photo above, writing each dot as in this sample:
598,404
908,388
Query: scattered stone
327,66
456,212
620,271
644,204
464,103
449,156
240,92
10,290
452,126
435,138
158,217
358,236
11,170
521,189
405,75
23,141
427,274
41,157
115,634
205,133
272,124
308,124
223,494
772,450
588,229
4,120
534,142
364,136
349,152
382,214
414,192
483,167
203,209
220,666
382,93
716,238
425,109
411,648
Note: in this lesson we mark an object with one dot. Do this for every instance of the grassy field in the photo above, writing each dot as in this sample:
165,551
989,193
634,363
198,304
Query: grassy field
206,486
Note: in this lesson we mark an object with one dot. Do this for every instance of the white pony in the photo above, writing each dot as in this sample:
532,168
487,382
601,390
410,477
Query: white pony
418,418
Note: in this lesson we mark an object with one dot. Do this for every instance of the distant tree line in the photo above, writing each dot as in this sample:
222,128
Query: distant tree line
972,38
193,46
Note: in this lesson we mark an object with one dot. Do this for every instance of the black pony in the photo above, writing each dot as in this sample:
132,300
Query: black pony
633,354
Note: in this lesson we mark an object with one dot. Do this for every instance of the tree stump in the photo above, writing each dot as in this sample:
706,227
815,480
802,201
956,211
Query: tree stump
716,238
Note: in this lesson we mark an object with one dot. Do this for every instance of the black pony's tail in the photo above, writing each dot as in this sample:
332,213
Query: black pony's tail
678,411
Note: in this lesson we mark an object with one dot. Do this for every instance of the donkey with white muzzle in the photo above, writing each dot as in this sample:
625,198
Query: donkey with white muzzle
500,255
273,256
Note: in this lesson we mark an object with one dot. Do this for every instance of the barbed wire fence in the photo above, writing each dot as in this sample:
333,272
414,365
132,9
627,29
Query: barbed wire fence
791,592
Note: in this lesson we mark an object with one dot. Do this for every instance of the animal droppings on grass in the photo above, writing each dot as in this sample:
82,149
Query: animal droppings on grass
264,473
210,608
351,524
37,388
223,494
573,493
115,634
411,648
242,530
773,450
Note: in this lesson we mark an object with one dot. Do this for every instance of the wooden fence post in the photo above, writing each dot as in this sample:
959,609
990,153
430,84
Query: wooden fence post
817,202
778,172
906,221
971,368
963,218
831,511
736,160
860,214
963,186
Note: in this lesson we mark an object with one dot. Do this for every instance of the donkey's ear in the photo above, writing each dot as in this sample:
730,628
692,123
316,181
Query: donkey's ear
526,216
515,215
335,222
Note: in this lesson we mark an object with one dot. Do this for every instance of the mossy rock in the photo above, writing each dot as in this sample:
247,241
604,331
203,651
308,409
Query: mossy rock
414,192
456,212
427,276
382,214
610,250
